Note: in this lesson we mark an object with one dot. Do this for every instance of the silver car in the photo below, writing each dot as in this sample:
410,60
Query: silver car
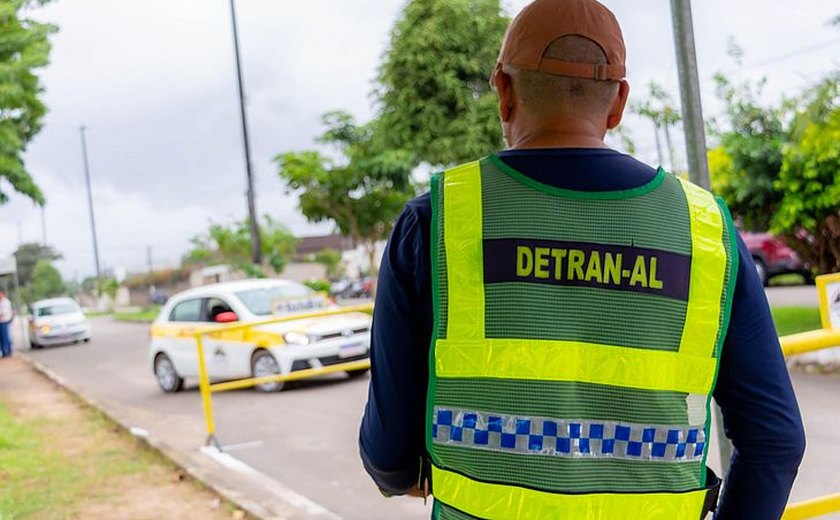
57,321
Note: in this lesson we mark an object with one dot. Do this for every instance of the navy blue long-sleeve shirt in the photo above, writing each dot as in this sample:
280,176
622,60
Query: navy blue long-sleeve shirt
760,412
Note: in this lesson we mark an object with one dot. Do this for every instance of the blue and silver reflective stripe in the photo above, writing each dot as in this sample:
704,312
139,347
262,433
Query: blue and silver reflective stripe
576,438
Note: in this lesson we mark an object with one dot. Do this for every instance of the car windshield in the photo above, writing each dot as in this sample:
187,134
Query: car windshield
57,308
281,299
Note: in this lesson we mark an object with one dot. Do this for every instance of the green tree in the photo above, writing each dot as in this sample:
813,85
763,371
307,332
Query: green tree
433,90
809,213
46,282
660,109
24,47
28,254
332,261
89,285
361,187
231,244
109,287
752,136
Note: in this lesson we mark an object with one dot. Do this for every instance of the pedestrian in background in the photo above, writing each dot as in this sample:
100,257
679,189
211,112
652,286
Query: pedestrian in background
7,313
553,320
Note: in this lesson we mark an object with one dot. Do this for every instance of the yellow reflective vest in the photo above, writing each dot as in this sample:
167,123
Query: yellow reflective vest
576,346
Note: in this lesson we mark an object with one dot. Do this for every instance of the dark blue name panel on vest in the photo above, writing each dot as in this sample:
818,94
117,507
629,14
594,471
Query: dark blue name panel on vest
587,265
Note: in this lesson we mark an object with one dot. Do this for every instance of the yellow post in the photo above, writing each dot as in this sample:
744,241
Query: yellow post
811,340
813,507
206,394
238,384
204,381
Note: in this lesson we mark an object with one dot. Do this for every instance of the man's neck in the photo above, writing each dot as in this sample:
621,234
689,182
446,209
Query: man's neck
557,141
576,136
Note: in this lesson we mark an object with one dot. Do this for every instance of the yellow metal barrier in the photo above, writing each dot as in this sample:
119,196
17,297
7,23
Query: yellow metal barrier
798,344
792,344
826,337
207,388
809,341
814,507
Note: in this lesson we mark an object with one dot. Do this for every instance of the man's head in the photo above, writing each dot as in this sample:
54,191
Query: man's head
561,70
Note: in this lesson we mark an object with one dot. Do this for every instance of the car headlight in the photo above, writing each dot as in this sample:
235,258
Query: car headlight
45,329
296,338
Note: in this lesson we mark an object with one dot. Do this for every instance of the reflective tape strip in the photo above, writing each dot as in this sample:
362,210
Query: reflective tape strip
486,500
708,270
569,438
546,360
462,232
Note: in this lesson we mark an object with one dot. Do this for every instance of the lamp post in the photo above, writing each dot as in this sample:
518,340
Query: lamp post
256,249
90,205
695,141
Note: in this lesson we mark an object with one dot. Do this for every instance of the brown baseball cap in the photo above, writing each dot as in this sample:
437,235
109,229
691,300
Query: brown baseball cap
543,21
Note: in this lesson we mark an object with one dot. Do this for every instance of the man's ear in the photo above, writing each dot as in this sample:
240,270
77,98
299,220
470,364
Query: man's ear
503,84
617,109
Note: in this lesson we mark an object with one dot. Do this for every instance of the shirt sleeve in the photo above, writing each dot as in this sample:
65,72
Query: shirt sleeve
760,413
391,437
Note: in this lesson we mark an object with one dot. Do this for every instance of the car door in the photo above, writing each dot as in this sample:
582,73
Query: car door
225,352
184,320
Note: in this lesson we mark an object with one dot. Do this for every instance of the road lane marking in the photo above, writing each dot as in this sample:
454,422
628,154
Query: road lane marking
289,496
241,446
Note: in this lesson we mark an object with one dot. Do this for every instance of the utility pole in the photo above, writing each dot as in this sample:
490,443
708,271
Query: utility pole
695,142
149,259
90,205
692,110
151,276
256,249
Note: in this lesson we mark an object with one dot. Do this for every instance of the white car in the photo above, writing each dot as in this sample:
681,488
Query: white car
57,321
259,351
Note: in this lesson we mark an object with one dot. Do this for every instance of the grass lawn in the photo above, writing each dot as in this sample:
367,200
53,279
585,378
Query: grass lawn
96,314
36,478
60,459
790,320
148,315
787,280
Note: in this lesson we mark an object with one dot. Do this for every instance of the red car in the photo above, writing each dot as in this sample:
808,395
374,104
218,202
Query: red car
772,257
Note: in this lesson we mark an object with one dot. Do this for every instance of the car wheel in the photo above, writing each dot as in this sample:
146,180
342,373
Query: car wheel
761,270
167,377
86,340
355,374
264,364
33,345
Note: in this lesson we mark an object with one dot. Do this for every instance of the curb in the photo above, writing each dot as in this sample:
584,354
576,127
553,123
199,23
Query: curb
200,474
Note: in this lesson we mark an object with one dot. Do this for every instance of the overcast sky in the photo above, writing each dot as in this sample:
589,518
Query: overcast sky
154,82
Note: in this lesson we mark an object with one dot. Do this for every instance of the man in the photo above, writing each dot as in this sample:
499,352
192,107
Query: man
6,316
552,320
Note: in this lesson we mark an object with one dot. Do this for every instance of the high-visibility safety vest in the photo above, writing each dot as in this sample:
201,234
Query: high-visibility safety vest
576,346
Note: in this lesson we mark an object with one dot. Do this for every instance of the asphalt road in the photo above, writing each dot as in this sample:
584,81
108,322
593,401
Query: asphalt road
305,437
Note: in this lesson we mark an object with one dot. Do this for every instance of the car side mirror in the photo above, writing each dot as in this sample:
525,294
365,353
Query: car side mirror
226,317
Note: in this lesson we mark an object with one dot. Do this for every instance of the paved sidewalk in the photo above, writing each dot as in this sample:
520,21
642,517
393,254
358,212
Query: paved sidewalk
796,296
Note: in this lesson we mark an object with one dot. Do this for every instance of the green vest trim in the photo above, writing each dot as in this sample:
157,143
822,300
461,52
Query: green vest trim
574,194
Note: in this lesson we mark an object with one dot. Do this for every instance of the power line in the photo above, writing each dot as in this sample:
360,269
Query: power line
787,56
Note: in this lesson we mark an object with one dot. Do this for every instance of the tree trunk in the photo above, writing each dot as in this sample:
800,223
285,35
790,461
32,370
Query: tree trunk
670,147
370,246
658,144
